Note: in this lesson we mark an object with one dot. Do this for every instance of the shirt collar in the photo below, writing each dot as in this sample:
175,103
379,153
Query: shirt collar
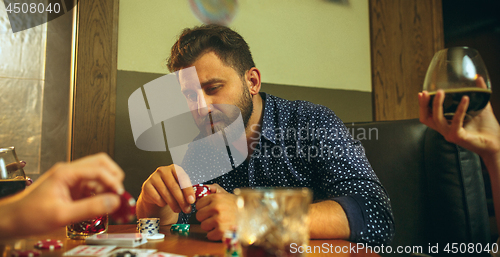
268,123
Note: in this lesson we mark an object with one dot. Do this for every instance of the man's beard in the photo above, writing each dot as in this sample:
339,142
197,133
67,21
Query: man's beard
245,106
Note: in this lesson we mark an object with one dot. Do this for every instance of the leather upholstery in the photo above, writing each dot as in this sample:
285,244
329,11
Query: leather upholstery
436,188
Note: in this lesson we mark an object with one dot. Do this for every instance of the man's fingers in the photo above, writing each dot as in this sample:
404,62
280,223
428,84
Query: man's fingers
203,213
90,207
458,118
208,225
189,194
156,188
215,234
215,188
171,200
425,111
437,110
480,83
97,167
204,201
98,174
152,195
185,184
169,179
181,176
423,106
11,167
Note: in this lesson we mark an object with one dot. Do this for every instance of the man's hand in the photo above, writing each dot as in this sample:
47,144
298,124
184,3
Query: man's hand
481,134
217,212
163,188
58,197
15,166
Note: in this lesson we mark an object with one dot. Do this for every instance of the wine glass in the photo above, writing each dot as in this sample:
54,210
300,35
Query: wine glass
458,71
12,176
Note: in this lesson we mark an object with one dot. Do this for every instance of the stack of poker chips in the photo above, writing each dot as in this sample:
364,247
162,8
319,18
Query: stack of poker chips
126,212
231,243
181,229
150,227
201,191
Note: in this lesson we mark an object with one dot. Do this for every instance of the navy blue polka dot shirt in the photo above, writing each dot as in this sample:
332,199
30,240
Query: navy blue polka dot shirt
306,145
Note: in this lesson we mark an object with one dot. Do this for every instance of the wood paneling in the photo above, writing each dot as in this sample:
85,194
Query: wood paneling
405,34
95,78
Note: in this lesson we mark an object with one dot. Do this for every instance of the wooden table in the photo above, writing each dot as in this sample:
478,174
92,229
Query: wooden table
195,243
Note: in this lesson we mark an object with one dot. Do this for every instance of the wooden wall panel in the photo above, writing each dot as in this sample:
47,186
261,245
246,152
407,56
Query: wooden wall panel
405,34
95,78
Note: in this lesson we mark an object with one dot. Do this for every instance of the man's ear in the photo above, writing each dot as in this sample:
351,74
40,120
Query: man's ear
252,79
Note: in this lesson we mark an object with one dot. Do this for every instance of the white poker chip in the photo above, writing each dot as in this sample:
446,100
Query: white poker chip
156,236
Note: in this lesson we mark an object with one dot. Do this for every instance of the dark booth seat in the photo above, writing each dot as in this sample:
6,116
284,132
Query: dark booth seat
436,188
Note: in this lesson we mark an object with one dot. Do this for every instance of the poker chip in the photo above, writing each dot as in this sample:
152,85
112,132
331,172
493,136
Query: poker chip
183,233
148,226
201,191
157,236
126,211
49,244
231,243
25,253
180,228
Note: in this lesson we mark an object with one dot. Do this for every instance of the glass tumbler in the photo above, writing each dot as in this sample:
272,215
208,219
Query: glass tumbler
86,228
270,221
12,176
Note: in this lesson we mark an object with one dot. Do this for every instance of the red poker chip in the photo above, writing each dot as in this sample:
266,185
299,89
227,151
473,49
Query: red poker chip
49,244
201,191
126,211
25,253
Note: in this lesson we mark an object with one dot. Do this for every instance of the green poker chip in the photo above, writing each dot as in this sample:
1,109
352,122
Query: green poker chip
184,233
180,227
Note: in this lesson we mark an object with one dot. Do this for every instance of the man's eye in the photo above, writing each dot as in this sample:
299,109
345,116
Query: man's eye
212,89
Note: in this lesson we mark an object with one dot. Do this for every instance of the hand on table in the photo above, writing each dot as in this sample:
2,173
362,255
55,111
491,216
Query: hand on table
163,188
481,134
217,212
58,197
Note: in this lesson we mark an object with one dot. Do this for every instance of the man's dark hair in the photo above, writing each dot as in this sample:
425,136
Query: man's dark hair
228,45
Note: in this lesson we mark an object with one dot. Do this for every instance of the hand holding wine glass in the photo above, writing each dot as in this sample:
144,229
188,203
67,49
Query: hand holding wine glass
457,104
458,71
471,127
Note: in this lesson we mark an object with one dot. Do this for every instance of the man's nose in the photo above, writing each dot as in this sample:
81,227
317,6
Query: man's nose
203,106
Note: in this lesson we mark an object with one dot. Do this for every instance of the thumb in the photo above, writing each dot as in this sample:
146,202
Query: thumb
215,188
94,206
